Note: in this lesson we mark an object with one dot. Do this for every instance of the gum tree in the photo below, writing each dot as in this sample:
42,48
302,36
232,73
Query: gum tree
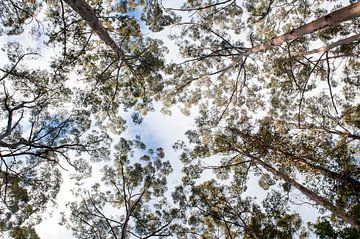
131,200
36,139
41,130
270,100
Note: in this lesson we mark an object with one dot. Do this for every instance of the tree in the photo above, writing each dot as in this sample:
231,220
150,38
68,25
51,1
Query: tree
281,157
24,232
16,14
271,102
36,139
136,193
128,75
41,128
220,211
324,230
261,98
217,56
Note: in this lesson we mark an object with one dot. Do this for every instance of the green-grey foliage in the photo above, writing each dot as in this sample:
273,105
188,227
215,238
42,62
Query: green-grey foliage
130,201
283,110
274,109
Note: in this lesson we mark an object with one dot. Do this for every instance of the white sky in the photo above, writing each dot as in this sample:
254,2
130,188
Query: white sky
157,130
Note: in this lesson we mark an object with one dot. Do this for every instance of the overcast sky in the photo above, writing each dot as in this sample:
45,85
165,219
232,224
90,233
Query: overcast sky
157,130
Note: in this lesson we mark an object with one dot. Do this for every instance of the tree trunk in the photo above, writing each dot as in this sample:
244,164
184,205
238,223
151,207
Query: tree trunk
344,14
298,160
345,41
308,193
89,16
350,182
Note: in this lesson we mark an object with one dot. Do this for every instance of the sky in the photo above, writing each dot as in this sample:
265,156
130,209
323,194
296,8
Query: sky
157,130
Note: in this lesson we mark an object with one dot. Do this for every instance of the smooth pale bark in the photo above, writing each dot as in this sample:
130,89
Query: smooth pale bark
344,14
308,193
341,42
88,14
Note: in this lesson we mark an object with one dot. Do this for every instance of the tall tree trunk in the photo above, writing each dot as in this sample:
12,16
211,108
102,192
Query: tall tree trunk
350,182
89,16
301,161
344,14
344,41
307,192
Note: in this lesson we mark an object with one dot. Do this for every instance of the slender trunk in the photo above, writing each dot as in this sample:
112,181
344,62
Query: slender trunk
308,193
89,16
124,227
331,131
345,41
344,14
298,160
350,182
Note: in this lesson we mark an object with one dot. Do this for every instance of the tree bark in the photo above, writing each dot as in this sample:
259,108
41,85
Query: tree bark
307,192
344,14
345,41
88,14
350,182
298,160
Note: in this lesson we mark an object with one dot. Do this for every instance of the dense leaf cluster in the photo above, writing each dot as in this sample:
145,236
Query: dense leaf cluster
275,86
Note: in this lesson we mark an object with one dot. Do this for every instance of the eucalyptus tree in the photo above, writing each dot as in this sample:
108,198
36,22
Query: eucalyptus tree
232,53
15,15
217,210
39,135
329,169
130,201
47,117
257,55
324,229
102,48
269,98
104,43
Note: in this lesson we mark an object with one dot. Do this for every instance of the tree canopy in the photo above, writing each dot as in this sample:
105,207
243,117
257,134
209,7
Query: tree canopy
273,85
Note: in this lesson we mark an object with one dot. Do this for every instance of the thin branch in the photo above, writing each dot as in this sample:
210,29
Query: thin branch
329,81
64,27
198,8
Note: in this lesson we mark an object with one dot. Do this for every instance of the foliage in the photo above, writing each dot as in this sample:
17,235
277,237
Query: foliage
36,137
135,191
24,233
323,229
269,105
219,211
127,75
